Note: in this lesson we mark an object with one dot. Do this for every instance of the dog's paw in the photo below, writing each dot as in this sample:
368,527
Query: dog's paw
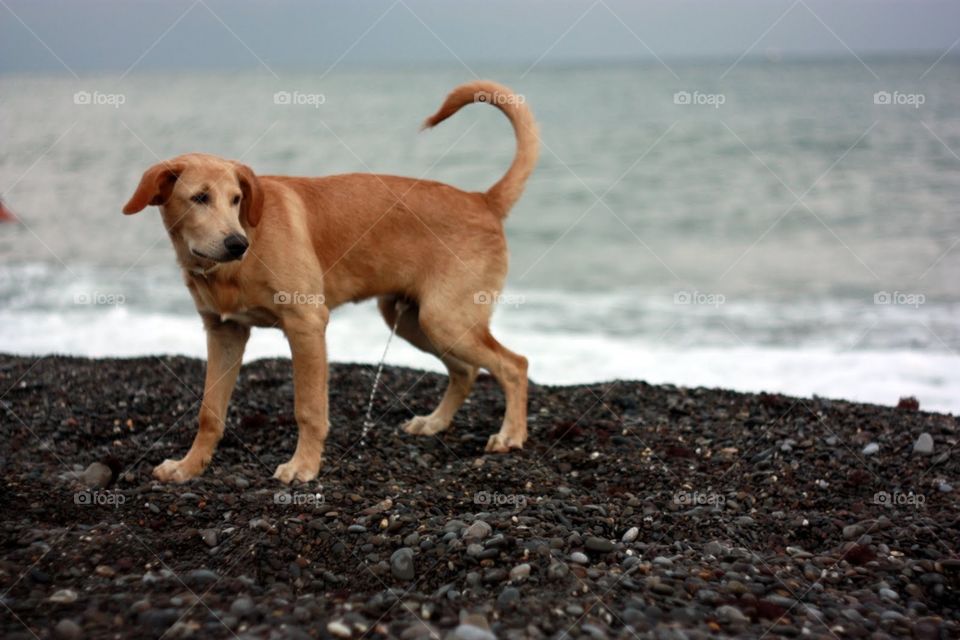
298,470
425,426
500,443
174,471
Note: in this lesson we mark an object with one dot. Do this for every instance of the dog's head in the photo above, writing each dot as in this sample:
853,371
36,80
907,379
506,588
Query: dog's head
208,205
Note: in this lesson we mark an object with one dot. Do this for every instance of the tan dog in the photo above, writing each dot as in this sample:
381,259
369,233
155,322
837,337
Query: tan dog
278,251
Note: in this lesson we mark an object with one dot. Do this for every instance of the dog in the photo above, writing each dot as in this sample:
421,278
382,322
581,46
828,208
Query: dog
282,251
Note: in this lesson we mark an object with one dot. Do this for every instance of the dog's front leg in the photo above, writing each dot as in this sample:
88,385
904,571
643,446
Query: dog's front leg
225,344
306,333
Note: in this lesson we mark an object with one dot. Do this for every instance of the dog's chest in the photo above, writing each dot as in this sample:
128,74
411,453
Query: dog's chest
225,301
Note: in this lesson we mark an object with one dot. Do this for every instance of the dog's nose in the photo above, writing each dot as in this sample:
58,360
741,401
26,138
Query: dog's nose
236,245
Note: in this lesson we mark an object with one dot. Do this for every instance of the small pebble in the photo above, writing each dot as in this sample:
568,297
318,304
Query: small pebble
730,614
601,545
339,629
401,564
470,632
477,531
242,607
924,445
520,572
67,629
64,596
97,476
209,537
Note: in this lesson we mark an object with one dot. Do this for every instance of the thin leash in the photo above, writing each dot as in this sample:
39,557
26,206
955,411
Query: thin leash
400,307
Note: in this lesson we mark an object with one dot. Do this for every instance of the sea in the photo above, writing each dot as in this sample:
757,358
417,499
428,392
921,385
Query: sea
779,225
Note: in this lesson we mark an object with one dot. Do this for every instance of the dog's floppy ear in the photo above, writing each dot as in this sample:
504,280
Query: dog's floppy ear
251,207
155,187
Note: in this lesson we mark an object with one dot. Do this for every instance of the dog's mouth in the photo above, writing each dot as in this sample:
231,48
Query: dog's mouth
203,256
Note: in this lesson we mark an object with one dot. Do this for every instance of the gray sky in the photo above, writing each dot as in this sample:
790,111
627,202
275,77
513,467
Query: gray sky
113,35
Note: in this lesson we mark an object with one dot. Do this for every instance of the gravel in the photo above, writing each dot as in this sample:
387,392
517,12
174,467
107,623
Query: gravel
659,512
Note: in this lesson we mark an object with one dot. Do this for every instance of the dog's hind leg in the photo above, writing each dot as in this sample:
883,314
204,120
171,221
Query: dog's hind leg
467,338
462,375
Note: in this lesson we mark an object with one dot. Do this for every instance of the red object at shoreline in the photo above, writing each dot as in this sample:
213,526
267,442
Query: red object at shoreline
5,214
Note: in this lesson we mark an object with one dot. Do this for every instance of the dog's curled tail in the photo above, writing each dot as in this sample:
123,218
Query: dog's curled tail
507,190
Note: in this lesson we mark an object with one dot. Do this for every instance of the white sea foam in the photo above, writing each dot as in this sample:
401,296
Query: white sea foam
556,357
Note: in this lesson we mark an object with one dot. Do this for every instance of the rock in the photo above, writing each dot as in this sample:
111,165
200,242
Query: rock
631,534
209,537
339,629
579,557
508,597
356,528
242,607
852,531
558,570
64,596
105,571
201,577
477,531
924,445
715,548
470,632
495,575
871,448
709,596
520,572
67,629
97,476
600,545
731,615
401,564
659,586
593,631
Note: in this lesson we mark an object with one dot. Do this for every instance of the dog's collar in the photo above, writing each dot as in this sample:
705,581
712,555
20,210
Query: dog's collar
203,273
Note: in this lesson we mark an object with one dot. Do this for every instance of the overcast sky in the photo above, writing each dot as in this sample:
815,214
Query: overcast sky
113,35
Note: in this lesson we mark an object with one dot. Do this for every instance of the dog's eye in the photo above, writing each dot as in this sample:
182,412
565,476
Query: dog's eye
236,200
200,198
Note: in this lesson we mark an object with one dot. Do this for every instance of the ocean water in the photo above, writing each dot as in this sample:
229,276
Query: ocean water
785,229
